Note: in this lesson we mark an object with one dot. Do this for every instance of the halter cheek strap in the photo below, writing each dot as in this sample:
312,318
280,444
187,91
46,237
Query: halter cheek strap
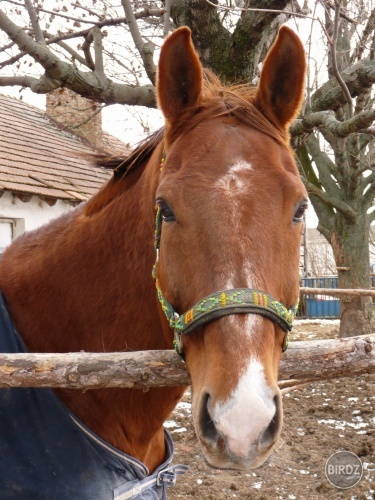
222,303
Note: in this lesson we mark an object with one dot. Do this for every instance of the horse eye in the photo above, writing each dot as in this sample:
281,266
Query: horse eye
298,216
166,212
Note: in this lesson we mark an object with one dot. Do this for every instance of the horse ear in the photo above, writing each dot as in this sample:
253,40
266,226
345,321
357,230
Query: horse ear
282,80
179,82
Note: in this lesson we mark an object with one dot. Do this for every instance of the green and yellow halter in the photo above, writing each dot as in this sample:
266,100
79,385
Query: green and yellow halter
219,304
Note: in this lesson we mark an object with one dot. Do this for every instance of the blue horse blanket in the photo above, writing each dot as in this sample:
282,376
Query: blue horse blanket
48,454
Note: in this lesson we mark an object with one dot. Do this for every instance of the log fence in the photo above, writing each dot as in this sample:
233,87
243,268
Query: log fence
303,362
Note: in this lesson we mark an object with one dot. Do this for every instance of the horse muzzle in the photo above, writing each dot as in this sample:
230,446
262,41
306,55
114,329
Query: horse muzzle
241,431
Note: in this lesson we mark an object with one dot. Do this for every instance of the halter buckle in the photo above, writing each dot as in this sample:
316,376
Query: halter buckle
177,341
285,342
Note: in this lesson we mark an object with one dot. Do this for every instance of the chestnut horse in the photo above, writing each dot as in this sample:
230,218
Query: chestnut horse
230,204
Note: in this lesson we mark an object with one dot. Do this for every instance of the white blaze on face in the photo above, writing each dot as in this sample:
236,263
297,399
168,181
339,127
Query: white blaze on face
247,413
235,179
231,189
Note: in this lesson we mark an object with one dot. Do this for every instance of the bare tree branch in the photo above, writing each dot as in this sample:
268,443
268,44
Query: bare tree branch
110,22
341,13
339,205
60,73
328,121
367,32
357,77
12,60
6,47
39,38
370,194
167,17
145,49
368,130
146,12
334,59
270,11
90,11
90,117
86,50
325,166
67,48
40,53
66,16
94,36
22,81
98,50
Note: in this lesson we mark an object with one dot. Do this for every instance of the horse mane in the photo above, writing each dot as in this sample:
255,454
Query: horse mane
217,100
122,165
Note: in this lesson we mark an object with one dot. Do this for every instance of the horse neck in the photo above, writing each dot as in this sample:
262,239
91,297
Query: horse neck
84,283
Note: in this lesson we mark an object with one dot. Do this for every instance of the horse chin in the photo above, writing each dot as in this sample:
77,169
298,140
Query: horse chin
219,456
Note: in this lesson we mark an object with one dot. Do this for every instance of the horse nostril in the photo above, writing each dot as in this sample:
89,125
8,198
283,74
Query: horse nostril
274,426
207,425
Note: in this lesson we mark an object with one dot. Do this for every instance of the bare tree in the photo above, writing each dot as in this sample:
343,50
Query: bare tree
107,54
76,54
335,153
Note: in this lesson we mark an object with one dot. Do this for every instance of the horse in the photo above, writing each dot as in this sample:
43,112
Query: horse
195,240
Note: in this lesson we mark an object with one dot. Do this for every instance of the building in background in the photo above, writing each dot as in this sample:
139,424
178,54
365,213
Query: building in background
42,170
317,256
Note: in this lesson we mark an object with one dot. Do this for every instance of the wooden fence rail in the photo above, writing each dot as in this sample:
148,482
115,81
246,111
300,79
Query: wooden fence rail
337,292
303,362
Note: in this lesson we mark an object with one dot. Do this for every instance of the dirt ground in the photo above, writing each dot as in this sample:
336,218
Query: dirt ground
318,421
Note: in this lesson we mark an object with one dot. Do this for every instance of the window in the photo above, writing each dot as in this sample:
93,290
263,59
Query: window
10,228
6,233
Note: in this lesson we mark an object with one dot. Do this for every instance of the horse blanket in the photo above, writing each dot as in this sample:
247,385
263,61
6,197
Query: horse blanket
48,454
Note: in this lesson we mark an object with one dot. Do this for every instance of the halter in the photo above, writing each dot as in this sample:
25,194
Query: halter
219,304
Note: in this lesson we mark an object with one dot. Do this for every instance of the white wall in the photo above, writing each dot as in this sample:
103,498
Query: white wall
31,214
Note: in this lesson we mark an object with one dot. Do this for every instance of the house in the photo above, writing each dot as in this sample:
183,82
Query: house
41,172
317,256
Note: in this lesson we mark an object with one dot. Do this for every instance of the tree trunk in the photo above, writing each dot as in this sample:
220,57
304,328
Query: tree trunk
234,57
350,245
253,36
210,37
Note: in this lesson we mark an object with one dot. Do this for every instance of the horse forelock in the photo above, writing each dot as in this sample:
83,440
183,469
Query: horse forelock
238,100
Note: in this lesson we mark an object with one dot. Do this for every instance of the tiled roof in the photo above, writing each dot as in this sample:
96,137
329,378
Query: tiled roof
38,158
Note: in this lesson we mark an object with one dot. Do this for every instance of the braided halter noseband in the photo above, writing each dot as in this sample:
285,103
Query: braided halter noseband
219,304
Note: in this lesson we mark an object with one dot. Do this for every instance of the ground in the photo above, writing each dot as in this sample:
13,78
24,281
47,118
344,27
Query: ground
319,420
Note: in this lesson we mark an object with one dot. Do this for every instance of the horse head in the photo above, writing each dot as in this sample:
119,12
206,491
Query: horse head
230,205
